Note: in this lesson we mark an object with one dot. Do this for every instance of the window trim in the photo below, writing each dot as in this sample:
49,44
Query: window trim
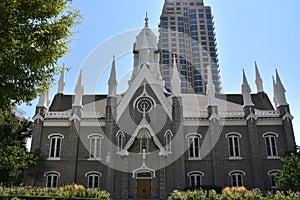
90,137
146,135
270,173
234,173
93,173
195,173
233,135
52,174
51,137
271,135
193,136
168,146
120,144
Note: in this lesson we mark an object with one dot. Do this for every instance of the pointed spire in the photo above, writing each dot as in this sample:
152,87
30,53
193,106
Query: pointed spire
146,20
275,92
246,91
281,99
258,81
61,82
210,87
78,91
175,82
112,82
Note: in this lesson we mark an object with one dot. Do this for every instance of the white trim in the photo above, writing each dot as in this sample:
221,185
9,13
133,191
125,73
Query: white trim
270,133
56,123
95,134
273,157
273,171
168,131
90,138
233,133
193,135
56,134
168,136
235,158
195,172
120,132
52,172
92,122
144,74
92,172
237,171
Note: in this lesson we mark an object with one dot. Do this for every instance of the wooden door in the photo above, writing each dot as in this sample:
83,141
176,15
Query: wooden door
143,188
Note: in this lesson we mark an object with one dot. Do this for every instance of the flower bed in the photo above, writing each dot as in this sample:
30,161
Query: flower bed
239,193
69,191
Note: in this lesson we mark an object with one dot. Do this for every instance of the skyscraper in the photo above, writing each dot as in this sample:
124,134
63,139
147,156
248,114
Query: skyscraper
187,31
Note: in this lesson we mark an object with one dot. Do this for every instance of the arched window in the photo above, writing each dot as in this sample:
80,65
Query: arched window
234,145
95,146
168,140
272,175
194,145
195,178
271,146
55,146
237,178
120,140
52,179
93,179
144,141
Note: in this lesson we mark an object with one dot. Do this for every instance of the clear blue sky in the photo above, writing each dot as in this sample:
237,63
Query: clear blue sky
265,31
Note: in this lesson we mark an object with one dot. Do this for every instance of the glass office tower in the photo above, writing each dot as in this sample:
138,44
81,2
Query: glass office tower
187,31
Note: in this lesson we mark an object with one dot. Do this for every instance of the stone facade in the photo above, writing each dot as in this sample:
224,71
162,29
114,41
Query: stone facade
150,141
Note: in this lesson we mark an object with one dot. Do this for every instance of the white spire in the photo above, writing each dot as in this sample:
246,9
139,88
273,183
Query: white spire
44,99
246,91
275,92
78,91
210,88
61,82
112,82
281,99
175,82
258,81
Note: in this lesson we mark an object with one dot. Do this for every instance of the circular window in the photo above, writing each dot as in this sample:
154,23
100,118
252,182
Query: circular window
144,105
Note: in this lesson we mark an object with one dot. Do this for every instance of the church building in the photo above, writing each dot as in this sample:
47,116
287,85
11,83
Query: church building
151,140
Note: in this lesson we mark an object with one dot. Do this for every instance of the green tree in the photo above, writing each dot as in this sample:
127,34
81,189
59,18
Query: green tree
14,158
289,177
34,34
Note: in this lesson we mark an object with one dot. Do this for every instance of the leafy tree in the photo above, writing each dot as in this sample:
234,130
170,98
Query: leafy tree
34,34
289,177
14,158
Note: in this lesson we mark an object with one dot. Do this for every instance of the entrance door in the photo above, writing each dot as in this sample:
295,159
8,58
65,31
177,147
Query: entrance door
143,188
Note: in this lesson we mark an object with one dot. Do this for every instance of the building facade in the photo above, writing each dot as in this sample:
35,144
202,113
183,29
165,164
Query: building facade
149,141
187,30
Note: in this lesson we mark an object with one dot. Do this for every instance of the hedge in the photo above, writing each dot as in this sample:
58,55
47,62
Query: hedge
239,193
65,192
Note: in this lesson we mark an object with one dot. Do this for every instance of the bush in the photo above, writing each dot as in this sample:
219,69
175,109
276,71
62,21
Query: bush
228,193
68,191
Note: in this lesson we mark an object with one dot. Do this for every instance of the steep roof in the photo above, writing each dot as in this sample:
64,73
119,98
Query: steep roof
260,100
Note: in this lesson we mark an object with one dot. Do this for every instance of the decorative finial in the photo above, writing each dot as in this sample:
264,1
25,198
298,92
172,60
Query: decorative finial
246,91
210,88
146,20
258,81
176,82
112,82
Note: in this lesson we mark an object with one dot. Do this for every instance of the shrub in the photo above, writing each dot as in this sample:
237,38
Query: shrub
73,191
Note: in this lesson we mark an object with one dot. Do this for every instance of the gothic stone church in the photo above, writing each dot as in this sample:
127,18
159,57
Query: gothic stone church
149,141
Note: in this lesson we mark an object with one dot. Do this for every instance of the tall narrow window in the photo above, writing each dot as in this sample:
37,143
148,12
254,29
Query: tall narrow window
55,146
195,179
52,179
194,146
144,142
234,145
93,180
95,146
168,139
237,178
271,146
120,140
